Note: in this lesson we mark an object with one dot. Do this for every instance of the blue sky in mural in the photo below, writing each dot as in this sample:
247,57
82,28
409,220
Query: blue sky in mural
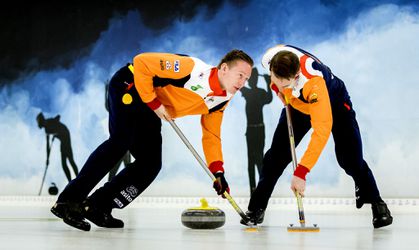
370,45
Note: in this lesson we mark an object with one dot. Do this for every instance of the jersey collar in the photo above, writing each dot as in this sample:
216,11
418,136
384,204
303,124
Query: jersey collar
215,83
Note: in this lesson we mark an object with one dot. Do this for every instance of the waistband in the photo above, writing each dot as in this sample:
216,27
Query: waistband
255,125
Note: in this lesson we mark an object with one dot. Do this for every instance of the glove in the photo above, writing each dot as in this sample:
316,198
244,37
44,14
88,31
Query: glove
220,184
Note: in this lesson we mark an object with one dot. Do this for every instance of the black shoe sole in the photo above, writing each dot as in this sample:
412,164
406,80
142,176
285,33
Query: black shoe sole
246,223
106,225
56,213
383,223
79,224
250,222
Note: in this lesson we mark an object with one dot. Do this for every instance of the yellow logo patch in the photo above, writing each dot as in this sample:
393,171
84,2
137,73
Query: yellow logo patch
312,98
127,99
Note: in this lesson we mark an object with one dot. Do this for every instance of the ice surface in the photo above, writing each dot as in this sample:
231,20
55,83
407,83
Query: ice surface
154,223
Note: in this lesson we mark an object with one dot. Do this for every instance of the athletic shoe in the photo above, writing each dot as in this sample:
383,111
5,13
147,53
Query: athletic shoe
255,217
72,215
99,216
381,214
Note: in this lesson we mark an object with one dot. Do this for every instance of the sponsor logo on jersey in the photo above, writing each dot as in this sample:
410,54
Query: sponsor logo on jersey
126,196
209,99
177,66
118,202
161,64
168,65
312,98
195,88
133,191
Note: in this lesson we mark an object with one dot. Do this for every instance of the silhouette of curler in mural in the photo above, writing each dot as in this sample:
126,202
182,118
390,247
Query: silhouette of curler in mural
58,130
255,98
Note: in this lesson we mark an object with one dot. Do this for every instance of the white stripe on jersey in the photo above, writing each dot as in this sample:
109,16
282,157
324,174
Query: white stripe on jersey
308,66
199,84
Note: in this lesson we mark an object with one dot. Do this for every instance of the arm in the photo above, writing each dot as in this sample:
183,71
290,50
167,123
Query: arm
320,112
321,120
211,142
268,98
162,65
147,66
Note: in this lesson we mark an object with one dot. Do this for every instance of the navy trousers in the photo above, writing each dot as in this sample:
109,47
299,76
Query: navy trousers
134,127
348,149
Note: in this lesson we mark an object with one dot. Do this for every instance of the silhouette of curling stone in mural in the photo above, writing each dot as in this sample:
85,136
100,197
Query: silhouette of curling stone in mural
203,217
53,190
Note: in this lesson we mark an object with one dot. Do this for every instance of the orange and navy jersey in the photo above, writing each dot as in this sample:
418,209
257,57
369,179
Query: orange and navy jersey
185,86
310,96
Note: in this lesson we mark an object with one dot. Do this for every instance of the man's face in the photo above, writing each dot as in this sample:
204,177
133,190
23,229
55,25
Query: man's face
282,83
234,77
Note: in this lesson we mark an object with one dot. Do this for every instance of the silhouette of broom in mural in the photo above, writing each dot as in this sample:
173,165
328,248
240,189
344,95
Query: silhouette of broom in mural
46,165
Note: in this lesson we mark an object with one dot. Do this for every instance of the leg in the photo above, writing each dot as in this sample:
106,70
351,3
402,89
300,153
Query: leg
64,165
131,181
348,146
278,157
68,154
96,167
71,159
114,170
250,159
101,161
259,149
69,204
127,159
144,143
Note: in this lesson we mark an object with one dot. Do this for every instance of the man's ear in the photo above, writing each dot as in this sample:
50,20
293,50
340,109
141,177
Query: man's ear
224,67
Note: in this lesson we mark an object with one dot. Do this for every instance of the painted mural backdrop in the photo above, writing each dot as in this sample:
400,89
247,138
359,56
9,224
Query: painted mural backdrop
56,60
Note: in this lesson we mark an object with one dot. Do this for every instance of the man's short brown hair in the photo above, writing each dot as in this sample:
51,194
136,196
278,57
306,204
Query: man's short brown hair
235,55
285,64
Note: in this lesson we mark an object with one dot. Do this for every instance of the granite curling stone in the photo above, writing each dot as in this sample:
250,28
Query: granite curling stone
203,217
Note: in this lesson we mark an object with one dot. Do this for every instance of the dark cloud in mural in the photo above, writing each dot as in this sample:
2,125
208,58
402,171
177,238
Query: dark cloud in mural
39,35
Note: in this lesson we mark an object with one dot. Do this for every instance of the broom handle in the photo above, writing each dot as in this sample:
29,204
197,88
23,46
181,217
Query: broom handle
204,166
46,165
294,162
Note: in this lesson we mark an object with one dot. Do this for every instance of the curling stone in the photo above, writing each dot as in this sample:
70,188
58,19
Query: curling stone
53,190
203,217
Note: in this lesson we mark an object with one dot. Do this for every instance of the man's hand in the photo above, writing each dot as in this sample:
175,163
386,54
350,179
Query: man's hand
284,93
282,98
162,113
298,185
220,184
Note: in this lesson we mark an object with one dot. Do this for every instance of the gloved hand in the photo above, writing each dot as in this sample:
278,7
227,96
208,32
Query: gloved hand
220,184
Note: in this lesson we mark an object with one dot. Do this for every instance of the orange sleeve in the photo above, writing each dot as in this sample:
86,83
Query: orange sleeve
163,65
315,91
211,136
296,103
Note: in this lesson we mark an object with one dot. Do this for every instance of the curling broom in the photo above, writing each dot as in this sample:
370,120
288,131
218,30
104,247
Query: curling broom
302,227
